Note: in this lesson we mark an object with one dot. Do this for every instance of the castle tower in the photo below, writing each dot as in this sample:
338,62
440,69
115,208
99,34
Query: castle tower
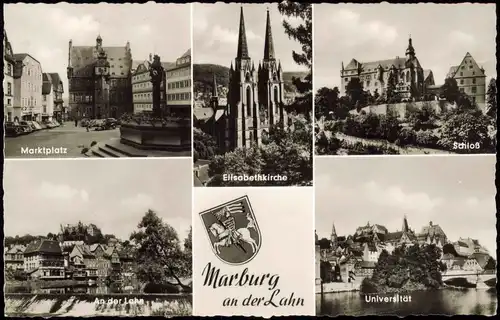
271,85
98,43
243,114
333,237
410,51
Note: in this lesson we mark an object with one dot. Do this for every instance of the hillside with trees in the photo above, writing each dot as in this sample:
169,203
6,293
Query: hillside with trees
203,77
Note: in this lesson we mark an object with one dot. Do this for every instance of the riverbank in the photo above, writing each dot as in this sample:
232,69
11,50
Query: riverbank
331,287
97,305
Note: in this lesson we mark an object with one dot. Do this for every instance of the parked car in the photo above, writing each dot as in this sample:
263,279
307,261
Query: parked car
98,124
26,127
107,124
32,125
37,125
84,122
13,130
44,125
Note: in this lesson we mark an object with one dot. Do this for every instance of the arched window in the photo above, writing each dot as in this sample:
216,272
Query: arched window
276,94
247,77
249,101
408,76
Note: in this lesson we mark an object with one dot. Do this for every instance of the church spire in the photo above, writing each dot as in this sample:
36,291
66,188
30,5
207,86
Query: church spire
214,87
410,51
268,44
334,232
242,39
405,225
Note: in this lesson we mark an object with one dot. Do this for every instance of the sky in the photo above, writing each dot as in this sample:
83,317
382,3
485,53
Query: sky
441,34
44,30
454,192
216,27
112,194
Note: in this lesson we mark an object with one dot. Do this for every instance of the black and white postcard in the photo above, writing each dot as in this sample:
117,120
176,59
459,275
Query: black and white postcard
405,79
252,110
406,236
97,80
98,238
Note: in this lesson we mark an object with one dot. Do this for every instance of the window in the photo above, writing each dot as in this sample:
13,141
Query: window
461,74
462,90
367,83
474,89
462,67
461,81
470,67
44,98
346,79
473,80
9,88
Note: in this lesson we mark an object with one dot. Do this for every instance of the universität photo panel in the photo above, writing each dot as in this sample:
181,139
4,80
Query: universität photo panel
97,80
406,235
82,245
252,73
405,79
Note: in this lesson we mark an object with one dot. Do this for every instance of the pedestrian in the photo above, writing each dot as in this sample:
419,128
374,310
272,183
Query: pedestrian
76,123
88,126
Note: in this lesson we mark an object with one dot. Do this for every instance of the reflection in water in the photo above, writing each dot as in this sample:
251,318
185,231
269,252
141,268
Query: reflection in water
446,302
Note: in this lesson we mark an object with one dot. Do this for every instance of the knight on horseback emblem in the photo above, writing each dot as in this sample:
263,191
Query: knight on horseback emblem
233,231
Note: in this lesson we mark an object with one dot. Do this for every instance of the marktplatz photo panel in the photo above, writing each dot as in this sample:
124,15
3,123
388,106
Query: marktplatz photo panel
81,244
406,236
97,80
405,79
252,73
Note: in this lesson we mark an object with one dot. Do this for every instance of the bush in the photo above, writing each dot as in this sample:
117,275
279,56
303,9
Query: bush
406,137
427,139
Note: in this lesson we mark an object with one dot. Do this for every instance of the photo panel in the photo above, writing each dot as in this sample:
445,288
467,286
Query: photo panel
252,73
97,80
246,242
386,85
406,236
82,245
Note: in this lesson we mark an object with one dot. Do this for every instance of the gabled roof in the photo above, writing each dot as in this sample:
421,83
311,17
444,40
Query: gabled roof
385,64
44,246
84,251
17,248
186,54
203,114
118,57
56,79
22,56
427,73
481,258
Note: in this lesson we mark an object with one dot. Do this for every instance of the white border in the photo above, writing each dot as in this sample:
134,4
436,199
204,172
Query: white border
313,123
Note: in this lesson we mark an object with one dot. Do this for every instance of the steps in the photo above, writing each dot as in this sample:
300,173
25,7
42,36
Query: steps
113,148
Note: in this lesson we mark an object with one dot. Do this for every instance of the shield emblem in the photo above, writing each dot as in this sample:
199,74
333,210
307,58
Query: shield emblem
233,231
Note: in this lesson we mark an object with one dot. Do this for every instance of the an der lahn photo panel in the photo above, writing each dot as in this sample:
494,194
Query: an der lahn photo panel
245,239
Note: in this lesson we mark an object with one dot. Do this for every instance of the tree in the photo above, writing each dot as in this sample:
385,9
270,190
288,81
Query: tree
354,90
450,90
326,101
491,100
160,258
324,244
302,33
391,87
204,144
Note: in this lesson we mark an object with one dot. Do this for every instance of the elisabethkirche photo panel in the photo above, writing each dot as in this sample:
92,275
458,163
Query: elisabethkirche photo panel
252,74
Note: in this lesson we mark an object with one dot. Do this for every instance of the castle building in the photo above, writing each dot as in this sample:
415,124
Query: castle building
179,86
10,114
471,79
432,234
99,80
28,81
409,78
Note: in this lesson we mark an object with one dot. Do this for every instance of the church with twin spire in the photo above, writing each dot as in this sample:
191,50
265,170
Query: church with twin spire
255,96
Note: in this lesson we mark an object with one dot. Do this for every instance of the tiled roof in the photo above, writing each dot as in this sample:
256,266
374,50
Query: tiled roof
187,53
44,246
47,84
481,258
427,73
432,230
452,71
84,250
120,63
18,248
22,56
394,235
459,262
398,62
56,79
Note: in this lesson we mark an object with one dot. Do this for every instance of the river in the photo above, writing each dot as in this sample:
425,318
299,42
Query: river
444,302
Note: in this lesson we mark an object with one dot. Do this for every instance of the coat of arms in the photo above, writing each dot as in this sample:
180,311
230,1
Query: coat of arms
233,231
